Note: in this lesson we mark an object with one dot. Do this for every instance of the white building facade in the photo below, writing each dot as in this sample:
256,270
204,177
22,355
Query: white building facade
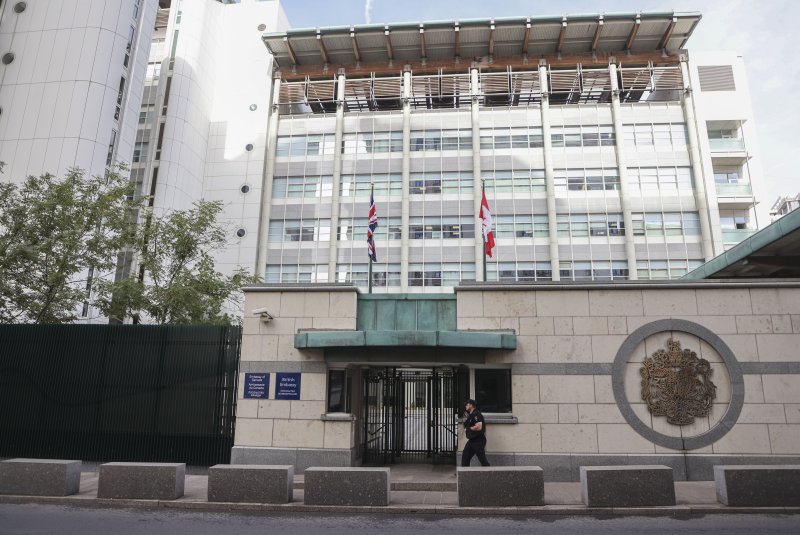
71,82
203,121
606,149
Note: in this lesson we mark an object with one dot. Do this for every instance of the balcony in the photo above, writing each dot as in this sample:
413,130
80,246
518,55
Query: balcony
735,195
734,236
726,145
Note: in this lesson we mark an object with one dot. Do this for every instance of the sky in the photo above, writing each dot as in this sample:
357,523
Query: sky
759,31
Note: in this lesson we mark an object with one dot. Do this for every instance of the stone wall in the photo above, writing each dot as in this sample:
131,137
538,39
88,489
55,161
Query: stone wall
563,370
276,431
576,382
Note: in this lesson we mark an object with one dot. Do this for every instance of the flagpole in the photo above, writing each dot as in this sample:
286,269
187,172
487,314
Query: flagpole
483,234
369,275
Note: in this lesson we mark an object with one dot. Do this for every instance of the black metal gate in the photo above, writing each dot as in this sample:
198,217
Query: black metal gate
410,416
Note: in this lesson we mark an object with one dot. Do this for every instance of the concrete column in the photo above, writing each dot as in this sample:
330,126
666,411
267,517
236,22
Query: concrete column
475,91
622,167
701,198
333,249
405,209
266,183
547,144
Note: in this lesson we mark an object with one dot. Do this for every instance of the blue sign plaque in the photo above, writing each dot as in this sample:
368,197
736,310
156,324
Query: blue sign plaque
256,385
287,386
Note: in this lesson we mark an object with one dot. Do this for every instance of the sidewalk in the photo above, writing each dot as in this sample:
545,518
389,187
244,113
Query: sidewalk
420,489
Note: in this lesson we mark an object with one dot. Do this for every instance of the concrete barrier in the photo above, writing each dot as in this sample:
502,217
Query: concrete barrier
346,486
141,481
758,485
500,486
246,483
627,486
40,477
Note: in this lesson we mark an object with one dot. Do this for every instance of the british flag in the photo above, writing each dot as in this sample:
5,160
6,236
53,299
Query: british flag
371,226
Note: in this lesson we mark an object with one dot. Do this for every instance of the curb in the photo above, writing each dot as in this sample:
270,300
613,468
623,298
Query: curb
444,510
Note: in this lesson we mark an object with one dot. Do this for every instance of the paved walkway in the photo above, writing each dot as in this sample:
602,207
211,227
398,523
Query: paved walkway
417,489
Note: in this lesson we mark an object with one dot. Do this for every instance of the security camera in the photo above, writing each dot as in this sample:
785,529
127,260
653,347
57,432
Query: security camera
264,313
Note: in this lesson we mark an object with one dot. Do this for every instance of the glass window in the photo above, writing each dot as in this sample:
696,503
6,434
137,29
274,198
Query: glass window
140,150
519,271
445,274
339,383
493,390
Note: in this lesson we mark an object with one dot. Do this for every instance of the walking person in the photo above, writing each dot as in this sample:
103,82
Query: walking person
475,428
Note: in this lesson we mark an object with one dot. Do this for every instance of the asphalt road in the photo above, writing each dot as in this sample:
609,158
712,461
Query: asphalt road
33,519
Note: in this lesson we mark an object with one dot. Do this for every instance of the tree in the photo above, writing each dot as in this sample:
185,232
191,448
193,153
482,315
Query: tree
57,238
177,281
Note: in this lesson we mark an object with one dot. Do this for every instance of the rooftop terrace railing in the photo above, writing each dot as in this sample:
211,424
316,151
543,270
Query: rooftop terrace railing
509,88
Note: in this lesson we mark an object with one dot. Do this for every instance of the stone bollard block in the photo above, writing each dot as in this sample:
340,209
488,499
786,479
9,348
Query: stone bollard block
500,486
758,485
347,486
141,481
627,486
247,483
40,477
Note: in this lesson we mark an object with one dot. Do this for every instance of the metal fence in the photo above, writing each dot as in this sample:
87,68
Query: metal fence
147,393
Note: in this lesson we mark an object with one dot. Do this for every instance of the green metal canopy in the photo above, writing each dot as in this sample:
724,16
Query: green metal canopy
772,252
406,320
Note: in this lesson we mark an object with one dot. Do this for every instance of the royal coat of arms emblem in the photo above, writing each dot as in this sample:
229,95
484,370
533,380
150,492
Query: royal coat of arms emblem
677,384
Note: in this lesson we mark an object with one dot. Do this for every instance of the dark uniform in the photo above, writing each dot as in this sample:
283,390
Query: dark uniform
476,440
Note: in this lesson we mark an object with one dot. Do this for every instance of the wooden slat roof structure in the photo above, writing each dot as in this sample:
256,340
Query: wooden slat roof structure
531,37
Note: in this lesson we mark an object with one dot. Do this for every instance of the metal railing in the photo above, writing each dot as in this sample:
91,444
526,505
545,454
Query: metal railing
501,88
150,393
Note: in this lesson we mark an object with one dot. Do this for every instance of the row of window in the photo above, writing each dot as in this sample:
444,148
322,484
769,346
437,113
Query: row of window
506,226
428,274
653,180
644,137
637,136
665,269
451,273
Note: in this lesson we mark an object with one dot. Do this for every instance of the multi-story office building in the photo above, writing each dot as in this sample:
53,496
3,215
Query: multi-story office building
71,82
606,149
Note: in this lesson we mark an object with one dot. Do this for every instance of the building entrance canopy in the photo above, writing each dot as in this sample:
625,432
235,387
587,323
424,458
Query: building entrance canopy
399,320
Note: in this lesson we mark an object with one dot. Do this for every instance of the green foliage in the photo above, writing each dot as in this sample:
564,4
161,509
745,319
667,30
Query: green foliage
53,232
180,284
62,240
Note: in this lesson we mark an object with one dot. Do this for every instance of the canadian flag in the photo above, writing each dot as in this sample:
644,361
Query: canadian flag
488,233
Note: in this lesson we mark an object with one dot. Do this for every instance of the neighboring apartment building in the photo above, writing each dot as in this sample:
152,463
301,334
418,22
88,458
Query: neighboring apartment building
606,149
783,205
71,82
203,120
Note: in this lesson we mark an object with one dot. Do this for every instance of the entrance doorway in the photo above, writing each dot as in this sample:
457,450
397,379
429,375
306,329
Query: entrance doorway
411,415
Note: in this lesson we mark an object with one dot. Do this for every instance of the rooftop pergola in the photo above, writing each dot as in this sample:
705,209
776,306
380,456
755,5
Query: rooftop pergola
497,42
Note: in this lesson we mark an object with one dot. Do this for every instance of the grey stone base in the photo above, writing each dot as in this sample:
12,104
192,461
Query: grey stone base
40,477
347,486
141,481
627,486
497,486
691,467
239,483
300,458
758,486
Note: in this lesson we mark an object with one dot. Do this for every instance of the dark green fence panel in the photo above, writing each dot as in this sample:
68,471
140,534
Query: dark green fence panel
155,393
